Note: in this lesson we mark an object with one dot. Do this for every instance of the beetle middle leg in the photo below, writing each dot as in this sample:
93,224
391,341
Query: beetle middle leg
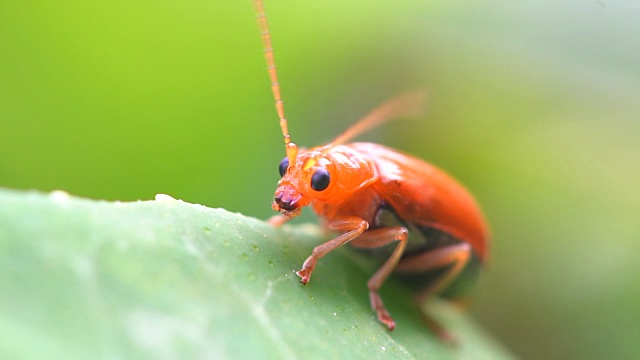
377,238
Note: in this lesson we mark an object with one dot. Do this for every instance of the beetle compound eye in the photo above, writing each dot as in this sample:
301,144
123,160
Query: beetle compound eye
320,179
284,164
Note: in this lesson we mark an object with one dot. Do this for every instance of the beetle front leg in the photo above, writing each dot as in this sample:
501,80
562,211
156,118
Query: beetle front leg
377,238
278,220
353,226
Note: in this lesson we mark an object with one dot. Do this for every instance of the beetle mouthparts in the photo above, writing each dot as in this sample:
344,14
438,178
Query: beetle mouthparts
286,203
290,213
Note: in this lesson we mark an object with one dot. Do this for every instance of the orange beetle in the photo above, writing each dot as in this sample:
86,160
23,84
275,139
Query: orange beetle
376,196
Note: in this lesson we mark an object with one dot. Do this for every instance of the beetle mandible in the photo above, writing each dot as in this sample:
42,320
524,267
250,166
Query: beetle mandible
430,229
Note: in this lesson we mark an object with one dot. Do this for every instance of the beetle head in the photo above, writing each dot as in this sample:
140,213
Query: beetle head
326,174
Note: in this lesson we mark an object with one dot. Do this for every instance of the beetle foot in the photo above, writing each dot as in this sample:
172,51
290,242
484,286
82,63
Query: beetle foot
378,306
307,269
385,318
305,275
448,338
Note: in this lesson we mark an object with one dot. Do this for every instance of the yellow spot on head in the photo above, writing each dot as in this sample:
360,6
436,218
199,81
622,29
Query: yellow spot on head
309,163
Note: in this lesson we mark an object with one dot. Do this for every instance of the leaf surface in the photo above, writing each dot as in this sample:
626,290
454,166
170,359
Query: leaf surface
167,279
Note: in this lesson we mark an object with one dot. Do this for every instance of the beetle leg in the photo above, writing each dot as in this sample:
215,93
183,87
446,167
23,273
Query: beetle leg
455,256
278,220
376,238
353,226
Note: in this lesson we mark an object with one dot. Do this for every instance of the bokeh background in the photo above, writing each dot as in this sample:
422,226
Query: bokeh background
534,106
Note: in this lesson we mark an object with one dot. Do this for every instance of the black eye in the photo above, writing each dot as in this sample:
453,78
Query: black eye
320,179
284,164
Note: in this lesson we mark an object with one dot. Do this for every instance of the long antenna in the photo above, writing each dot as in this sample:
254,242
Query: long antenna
408,104
290,148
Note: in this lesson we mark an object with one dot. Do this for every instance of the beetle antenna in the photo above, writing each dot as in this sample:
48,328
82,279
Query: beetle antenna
290,148
408,104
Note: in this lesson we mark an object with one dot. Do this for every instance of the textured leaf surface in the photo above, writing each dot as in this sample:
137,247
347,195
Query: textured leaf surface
167,279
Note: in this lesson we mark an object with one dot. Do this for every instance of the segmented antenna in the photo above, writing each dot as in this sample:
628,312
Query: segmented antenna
290,148
408,104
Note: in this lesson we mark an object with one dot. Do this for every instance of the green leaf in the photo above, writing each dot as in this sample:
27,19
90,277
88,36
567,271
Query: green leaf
168,279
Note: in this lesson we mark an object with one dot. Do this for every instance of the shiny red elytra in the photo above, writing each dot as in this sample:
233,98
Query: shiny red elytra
423,225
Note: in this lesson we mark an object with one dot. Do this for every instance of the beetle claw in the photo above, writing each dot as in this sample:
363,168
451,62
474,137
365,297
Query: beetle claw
385,318
304,276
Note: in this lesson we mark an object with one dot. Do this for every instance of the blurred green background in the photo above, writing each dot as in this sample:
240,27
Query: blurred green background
534,106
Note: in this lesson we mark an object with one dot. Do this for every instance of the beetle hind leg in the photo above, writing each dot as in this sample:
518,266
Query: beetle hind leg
376,238
453,258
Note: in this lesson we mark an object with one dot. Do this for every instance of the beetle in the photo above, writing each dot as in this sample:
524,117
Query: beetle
423,225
